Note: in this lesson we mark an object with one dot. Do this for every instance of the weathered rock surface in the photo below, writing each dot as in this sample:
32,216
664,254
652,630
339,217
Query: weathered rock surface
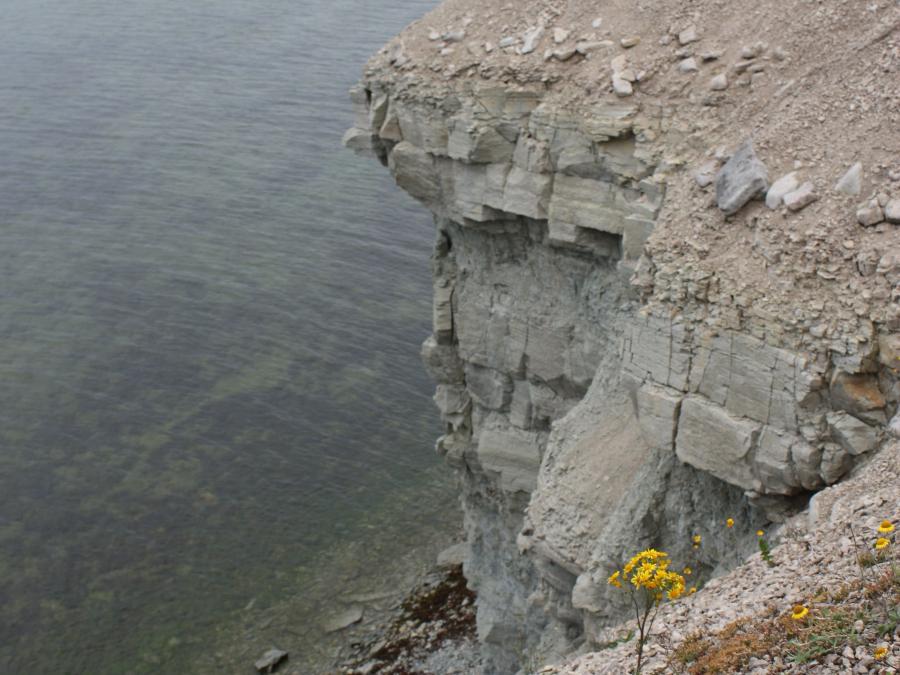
616,366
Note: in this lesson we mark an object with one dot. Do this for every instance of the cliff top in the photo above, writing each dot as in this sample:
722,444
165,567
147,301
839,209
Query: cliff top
816,86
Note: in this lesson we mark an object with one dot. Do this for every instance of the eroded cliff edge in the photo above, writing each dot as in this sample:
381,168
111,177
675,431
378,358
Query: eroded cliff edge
618,364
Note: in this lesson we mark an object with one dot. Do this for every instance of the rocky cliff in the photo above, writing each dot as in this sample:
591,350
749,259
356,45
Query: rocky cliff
628,341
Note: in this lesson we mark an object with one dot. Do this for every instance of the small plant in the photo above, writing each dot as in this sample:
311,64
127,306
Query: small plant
648,580
764,549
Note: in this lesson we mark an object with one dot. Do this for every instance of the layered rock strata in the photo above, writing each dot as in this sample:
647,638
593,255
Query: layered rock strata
596,396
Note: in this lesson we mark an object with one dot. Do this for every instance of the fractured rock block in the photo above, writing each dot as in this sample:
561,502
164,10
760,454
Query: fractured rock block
807,459
856,393
527,194
712,440
854,435
415,171
479,144
489,388
773,463
657,410
442,362
514,454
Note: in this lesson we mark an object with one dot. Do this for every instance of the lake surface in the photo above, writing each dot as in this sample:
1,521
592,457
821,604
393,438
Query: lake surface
213,418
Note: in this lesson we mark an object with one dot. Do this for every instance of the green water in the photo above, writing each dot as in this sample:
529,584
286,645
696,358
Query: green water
209,326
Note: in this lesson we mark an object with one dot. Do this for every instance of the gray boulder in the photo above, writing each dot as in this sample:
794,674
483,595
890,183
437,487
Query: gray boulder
742,178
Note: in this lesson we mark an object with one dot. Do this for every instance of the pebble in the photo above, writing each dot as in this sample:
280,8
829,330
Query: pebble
688,65
687,36
586,47
630,42
892,211
801,197
596,23
706,173
560,35
870,214
784,185
851,182
563,54
710,56
719,82
622,87
507,42
531,39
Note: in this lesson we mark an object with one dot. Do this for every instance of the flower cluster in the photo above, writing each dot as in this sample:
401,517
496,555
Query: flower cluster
885,529
649,570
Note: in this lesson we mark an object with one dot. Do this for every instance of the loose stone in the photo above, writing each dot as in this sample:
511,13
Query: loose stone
719,82
870,214
689,65
630,42
892,211
622,87
687,36
560,35
851,182
801,198
742,178
784,185
531,39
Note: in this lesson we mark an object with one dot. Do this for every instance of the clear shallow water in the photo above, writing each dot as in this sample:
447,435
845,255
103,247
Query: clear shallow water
209,324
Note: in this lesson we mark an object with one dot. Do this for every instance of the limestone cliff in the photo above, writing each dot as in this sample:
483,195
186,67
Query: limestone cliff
619,361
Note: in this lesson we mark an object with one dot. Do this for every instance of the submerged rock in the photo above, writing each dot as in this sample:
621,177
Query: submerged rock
269,661
344,619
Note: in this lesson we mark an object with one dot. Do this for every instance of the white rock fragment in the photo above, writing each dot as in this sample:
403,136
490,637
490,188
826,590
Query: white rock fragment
596,23
560,35
719,82
892,211
586,47
454,36
851,182
687,36
688,65
870,214
714,55
801,197
622,87
706,173
531,39
564,54
507,42
629,42
488,47
784,185
434,35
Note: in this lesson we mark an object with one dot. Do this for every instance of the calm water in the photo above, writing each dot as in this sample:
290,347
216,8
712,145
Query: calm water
210,313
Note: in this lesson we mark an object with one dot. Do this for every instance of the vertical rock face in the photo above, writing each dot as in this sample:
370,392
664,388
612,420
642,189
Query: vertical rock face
582,424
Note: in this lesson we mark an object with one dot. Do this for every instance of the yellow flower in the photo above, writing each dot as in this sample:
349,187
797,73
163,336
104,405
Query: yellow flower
881,652
693,590
759,533
687,571
614,579
799,612
697,539
886,527
729,523
881,543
